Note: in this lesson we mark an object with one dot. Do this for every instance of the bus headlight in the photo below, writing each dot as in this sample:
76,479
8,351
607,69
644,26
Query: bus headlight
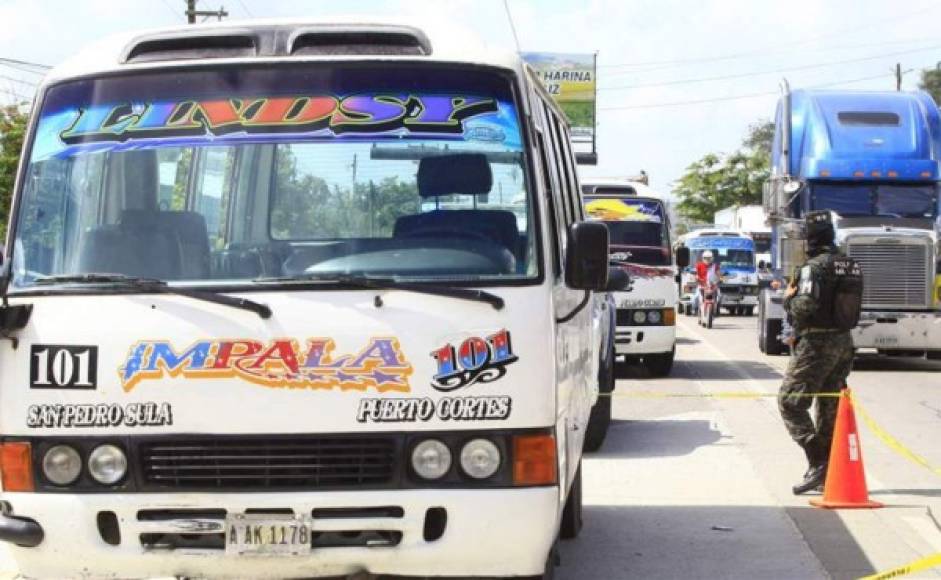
61,465
480,458
107,464
431,459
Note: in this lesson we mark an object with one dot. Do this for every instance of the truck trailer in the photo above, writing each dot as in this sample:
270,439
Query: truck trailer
871,158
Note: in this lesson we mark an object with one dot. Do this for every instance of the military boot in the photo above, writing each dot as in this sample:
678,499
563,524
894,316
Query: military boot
816,472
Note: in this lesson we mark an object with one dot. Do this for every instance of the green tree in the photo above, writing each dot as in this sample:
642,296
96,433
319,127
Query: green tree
718,181
931,82
760,137
12,131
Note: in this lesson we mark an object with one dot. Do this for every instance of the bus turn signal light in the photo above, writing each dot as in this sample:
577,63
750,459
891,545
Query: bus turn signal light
16,467
669,316
534,460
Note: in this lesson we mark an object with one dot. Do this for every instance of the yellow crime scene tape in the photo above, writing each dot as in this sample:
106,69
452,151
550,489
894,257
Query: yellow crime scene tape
891,442
910,568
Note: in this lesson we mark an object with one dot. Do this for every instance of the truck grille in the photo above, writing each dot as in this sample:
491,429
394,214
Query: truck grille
263,463
894,275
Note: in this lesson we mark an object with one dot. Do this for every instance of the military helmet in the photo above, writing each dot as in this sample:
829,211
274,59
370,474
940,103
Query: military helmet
819,228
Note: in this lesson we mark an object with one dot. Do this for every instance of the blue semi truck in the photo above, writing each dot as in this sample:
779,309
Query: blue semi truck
872,159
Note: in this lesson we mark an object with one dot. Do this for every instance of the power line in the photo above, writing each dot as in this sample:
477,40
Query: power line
771,71
245,8
20,81
736,97
23,69
877,22
639,70
24,63
509,16
170,8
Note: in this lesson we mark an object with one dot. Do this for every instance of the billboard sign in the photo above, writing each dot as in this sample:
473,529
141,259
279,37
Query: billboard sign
570,79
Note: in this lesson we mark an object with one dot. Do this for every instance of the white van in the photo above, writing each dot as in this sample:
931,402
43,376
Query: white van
639,231
290,300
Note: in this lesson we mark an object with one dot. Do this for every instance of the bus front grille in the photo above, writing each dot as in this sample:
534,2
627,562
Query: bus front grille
255,463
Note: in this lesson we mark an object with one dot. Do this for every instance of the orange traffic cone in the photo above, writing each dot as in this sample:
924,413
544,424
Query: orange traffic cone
846,479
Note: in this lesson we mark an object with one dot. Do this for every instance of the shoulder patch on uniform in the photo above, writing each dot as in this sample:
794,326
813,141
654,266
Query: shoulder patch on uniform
807,280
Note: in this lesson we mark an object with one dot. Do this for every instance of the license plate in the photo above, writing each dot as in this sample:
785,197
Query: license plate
887,341
267,535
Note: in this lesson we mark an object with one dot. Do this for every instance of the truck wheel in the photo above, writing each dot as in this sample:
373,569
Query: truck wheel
770,331
660,365
749,310
572,514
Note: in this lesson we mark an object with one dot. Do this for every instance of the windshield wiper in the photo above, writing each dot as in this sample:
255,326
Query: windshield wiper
157,286
384,283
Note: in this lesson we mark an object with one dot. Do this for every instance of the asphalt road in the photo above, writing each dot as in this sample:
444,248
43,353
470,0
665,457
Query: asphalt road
699,487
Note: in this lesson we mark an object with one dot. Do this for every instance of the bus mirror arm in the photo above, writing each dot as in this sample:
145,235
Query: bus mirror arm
12,317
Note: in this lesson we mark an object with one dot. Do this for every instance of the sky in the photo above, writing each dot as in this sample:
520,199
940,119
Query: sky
677,78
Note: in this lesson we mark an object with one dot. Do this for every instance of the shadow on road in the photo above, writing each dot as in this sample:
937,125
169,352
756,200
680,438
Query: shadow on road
659,438
621,542
724,370
684,340
873,362
918,492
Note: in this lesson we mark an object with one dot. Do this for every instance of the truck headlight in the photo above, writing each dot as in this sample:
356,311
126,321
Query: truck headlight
107,464
640,316
431,459
480,458
654,317
61,465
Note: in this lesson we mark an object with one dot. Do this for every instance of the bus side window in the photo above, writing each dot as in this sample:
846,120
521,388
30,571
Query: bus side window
568,157
563,191
557,224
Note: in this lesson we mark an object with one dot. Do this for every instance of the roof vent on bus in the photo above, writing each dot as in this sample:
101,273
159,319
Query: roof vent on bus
190,46
387,40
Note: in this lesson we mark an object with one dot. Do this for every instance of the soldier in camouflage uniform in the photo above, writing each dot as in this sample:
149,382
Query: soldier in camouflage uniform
821,359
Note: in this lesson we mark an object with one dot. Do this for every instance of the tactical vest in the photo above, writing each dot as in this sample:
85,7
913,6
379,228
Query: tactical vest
837,285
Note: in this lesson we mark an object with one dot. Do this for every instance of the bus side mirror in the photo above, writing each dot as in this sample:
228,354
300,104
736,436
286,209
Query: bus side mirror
618,280
682,257
586,256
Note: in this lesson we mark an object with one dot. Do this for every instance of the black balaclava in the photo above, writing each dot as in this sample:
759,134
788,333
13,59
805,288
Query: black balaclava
820,233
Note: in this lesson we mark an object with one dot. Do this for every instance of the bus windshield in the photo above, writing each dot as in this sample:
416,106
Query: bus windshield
870,199
637,229
245,175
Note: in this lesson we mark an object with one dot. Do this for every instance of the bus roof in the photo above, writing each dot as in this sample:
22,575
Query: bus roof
282,41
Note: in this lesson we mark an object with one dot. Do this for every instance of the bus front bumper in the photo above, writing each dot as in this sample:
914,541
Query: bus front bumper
492,532
641,340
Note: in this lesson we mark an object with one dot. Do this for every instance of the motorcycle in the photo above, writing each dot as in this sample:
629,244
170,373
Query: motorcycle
709,304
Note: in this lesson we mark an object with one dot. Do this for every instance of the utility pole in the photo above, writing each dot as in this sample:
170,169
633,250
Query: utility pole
192,13
899,73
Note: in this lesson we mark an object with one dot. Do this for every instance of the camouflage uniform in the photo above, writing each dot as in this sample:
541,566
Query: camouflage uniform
820,363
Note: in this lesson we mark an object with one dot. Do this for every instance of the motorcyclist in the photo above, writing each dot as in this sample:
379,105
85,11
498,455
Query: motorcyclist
707,274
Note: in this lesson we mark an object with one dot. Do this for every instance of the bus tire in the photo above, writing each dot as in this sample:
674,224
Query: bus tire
572,514
660,365
598,423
